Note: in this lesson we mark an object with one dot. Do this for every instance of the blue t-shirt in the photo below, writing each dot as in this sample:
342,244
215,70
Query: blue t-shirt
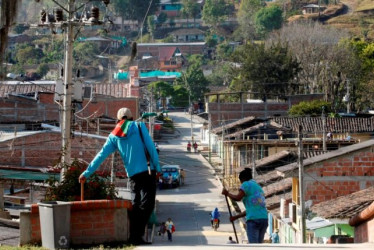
254,201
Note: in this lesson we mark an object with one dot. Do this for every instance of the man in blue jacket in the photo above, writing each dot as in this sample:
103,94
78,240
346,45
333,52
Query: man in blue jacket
128,137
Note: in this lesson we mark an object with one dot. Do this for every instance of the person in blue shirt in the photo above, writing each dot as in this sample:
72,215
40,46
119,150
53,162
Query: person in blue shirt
275,236
255,212
127,137
215,215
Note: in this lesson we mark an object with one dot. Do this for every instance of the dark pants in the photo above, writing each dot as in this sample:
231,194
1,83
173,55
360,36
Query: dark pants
256,230
169,235
143,188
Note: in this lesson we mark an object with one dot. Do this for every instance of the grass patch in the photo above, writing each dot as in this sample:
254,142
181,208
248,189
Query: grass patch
365,5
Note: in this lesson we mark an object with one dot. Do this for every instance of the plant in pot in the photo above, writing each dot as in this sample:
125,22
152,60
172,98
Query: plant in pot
95,188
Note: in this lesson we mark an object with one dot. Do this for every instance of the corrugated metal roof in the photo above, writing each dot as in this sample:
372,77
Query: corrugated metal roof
27,175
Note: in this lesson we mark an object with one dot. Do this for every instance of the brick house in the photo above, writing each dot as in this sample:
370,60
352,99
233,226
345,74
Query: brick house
153,49
327,176
352,206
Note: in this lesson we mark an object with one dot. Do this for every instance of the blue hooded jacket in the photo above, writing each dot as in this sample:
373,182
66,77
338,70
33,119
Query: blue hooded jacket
126,139
215,214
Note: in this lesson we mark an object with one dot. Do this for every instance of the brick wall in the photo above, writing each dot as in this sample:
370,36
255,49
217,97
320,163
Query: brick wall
339,176
43,149
104,106
91,222
233,111
365,232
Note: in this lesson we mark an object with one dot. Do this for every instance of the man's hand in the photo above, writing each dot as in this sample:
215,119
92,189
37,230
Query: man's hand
232,218
82,179
158,175
225,192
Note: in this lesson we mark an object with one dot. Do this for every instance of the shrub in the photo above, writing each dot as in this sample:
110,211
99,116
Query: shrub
95,188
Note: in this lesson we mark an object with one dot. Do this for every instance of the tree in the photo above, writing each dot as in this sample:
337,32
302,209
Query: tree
312,108
268,19
179,96
42,70
194,80
190,9
224,51
222,74
151,23
20,28
134,9
85,53
26,54
162,17
214,12
246,17
325,66
171,22
265,70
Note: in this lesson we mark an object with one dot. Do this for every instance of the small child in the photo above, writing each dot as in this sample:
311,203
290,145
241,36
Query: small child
162,230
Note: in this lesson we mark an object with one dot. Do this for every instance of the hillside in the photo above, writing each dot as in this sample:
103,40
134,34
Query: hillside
359,18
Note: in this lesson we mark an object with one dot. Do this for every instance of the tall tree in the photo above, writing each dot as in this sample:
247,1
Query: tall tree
194,80
214,12
266,71
268,19
135,9
246,17
190,9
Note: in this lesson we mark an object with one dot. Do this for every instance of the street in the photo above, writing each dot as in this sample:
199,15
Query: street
190,204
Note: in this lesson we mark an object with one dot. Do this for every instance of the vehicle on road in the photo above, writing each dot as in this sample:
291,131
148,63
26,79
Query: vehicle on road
215,224
175,172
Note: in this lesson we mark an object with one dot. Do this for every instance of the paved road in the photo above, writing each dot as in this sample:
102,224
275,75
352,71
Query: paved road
189,205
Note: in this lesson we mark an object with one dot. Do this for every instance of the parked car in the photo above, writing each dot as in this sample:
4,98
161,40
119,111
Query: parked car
174,171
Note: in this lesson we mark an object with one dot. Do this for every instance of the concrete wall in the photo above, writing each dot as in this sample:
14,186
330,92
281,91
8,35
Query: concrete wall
91,222
365,232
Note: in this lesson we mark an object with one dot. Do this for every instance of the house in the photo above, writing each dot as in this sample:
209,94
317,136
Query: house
188,35
363,222
340,210
326,177
170,8
170,59
313,8
153,49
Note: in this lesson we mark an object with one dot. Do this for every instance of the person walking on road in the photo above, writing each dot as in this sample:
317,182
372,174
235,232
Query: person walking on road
183,175
195,147
170,229
133,141
255,209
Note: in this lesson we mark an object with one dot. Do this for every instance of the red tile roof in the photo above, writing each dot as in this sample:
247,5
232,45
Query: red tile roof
165,53
346,206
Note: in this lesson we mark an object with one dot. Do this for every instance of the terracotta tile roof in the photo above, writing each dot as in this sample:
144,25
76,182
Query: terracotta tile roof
277,187
231,125
288,169
114,89
274,201
165,53
337,125
346,206
6,89
271,176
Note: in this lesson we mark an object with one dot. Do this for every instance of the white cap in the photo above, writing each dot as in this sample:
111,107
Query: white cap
124,112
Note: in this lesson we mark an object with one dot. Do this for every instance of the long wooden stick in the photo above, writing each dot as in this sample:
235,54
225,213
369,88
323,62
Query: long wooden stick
82,191
233,225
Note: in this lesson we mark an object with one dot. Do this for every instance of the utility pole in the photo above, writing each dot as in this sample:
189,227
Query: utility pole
150,111
68,87
301,186
324,129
